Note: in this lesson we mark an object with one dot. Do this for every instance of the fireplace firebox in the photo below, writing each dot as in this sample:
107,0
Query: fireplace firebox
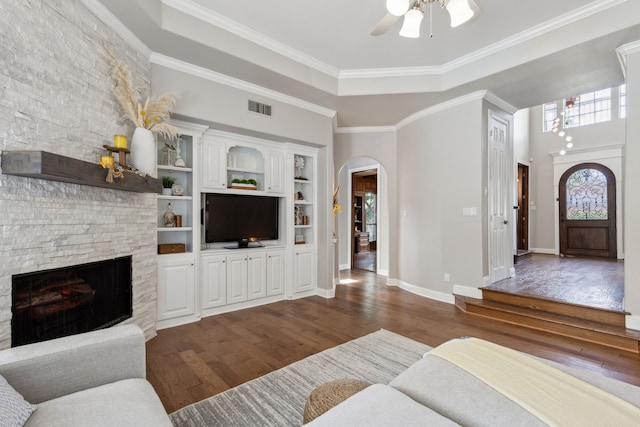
54,303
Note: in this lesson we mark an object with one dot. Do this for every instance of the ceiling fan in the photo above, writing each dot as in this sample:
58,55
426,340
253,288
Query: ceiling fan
460,11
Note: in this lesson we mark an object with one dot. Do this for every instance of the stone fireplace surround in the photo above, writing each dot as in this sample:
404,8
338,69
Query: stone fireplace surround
56,97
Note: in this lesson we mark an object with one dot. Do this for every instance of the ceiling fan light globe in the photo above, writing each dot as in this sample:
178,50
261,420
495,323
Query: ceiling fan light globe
411,25
398,7
461,11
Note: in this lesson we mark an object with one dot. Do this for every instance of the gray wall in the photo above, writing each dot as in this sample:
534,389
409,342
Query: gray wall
631,194
440,172
368,147
542,144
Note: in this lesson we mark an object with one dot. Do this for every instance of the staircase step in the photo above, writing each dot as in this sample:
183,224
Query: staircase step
601,315
559,324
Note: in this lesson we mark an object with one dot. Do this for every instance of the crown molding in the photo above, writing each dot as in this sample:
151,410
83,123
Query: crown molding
103,14
434,70
559,22
499,102
202,13
474,96
365,129
235,83
532,33
625,50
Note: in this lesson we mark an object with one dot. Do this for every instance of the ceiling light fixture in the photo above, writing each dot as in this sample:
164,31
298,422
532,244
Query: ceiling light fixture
568,104
460,11
411,25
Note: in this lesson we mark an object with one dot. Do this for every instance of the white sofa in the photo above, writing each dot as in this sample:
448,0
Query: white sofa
436,392
91,379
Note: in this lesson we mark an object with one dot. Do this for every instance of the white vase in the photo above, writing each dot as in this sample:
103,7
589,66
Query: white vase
143,151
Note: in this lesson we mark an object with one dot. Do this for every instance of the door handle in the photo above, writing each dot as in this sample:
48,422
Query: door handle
506,222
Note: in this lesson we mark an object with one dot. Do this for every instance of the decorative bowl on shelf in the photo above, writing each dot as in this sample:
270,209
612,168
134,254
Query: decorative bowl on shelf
177,190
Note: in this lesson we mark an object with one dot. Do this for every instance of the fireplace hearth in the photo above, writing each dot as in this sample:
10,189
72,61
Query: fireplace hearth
54,303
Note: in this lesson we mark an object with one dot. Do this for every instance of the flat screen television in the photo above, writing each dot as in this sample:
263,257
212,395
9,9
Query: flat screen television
240,218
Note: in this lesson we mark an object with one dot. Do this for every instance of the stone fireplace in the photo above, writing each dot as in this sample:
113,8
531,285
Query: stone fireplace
57,98
65,301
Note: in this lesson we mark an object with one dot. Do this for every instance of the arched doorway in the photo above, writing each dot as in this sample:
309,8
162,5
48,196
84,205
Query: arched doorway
587,211
346,241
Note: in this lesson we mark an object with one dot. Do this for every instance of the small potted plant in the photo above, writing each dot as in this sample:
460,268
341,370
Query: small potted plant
167,183
244,184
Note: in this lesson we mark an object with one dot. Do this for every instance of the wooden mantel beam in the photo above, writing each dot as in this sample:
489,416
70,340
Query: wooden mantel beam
54,167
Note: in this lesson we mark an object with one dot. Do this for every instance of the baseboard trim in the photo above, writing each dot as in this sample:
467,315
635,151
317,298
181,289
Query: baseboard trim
344,267
427,293
632,322
384,273
326,293
467,291
543,251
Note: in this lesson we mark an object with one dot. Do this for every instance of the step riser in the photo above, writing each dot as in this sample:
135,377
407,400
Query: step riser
602,338
595,315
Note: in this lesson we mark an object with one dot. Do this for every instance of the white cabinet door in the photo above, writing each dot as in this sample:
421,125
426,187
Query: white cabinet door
176,288
274,173
236,278
214,165
257,271
275,273
304,270
213,281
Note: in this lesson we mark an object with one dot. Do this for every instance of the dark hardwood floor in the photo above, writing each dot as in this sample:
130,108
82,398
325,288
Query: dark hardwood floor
588,281
365,261
188,363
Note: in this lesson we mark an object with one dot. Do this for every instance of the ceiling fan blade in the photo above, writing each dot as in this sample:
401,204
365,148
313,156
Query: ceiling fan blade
385,23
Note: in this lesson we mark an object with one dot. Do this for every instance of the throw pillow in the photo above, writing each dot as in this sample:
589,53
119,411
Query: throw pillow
14,410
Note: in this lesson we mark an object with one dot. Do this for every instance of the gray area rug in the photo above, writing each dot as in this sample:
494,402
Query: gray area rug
278,398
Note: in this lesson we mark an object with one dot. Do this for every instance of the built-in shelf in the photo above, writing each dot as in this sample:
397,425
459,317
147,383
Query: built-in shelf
167,197
174,168
174,228
54,167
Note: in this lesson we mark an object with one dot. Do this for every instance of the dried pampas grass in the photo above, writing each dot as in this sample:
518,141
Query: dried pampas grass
155,111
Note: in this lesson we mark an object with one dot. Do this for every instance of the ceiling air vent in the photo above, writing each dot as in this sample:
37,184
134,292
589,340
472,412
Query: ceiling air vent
260,108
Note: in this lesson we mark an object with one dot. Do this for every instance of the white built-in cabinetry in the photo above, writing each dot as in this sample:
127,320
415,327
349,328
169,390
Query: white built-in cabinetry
228,157
305,230
241,277
177,286
210,279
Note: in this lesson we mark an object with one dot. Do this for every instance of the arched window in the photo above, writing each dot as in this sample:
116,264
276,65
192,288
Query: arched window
587,195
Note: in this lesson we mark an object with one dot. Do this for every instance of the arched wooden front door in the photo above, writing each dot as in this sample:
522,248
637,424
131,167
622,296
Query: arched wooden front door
587,199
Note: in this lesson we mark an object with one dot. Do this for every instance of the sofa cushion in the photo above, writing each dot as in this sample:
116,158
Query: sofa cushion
458,395
125,403
14,410
380,405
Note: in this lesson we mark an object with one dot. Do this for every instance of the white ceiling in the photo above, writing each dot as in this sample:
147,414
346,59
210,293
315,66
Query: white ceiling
321,51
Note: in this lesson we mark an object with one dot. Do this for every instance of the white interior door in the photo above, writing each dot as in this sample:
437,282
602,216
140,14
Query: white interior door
499,200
